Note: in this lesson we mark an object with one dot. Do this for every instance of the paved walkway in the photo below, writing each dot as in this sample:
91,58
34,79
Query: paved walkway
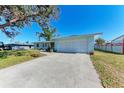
57,70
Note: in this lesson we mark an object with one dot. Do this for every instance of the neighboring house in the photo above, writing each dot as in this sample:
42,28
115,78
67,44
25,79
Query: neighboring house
116,45
1,45
18,46
73,44
44,45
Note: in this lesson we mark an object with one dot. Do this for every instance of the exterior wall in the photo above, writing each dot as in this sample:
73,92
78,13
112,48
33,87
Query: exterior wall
20,47
116,46
35,46
43,45
39,47
75,44
91,44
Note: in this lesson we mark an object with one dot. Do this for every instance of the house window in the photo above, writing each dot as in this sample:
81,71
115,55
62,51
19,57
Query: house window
29,46
43,45
37,45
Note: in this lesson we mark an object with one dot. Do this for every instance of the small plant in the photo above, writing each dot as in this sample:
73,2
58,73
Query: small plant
3,54
35,54
18,53
32,53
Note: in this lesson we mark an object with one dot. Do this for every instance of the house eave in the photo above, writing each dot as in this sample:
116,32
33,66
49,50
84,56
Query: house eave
44,42
78,36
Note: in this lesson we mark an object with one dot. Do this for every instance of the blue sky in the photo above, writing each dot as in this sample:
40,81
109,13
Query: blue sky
76,20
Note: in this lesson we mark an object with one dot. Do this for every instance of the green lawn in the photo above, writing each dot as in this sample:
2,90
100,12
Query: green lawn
110,68
9,58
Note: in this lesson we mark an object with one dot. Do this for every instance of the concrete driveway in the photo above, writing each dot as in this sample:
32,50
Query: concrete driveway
57,70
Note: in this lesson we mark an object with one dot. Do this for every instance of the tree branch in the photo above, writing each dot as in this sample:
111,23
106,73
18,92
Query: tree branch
16,20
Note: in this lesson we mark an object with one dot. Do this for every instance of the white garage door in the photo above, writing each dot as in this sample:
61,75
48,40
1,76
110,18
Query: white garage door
72,46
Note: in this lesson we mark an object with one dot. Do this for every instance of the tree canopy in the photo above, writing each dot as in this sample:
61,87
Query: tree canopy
14,17
100,41
48,33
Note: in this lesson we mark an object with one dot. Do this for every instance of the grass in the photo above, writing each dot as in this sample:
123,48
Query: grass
110,68
13,60
17,57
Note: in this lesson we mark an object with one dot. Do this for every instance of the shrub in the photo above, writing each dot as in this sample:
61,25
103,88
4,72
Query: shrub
15,53
9,53
18,53
3,54
34,53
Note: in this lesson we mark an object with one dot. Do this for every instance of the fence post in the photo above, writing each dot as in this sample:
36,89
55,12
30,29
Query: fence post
123,46
111,46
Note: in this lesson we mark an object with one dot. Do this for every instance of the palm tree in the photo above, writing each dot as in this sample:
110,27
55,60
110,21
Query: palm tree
48,34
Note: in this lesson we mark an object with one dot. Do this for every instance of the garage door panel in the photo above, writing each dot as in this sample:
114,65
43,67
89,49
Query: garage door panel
72,46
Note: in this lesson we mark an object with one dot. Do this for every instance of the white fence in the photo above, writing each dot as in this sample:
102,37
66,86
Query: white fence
116,46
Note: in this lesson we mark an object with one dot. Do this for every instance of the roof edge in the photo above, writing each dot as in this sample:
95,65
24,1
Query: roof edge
118,37
79,35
